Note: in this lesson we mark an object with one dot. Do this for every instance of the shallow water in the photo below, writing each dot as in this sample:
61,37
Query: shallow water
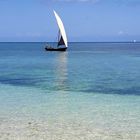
92,91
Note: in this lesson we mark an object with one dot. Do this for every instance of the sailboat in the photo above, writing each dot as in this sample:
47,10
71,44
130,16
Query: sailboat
62,43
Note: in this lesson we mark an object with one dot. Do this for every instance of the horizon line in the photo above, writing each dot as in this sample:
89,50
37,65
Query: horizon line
70,42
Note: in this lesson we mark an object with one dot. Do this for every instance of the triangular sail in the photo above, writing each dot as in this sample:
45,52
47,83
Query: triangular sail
63,39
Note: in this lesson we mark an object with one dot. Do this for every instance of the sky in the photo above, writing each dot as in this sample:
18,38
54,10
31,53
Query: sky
84,20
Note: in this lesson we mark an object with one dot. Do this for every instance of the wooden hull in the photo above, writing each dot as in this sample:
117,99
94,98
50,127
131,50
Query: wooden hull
55,49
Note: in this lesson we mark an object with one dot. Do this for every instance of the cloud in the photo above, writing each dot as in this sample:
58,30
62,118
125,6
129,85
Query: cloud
121,32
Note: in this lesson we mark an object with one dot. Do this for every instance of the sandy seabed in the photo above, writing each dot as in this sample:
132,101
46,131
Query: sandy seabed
59,130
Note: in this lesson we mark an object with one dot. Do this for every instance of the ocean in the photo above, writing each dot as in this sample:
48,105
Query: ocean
91,91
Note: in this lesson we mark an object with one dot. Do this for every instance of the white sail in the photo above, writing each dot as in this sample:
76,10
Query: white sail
62,29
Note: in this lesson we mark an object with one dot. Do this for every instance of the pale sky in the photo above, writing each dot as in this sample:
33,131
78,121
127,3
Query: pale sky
84,20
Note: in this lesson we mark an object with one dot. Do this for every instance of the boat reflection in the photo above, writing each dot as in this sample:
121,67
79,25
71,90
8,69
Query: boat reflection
61,82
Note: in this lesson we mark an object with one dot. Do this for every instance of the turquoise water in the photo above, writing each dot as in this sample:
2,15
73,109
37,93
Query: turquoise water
93,85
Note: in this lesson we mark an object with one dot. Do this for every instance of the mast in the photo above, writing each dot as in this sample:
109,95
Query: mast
58,37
